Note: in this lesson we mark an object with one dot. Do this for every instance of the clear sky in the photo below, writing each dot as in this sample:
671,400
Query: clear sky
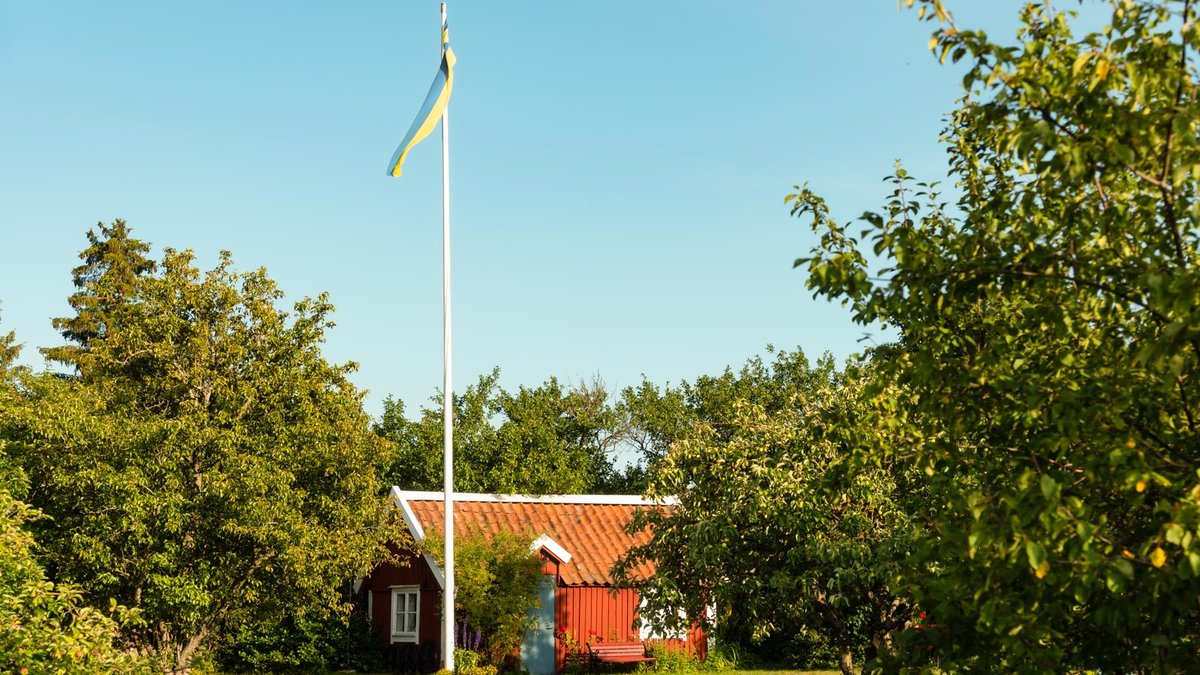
618,167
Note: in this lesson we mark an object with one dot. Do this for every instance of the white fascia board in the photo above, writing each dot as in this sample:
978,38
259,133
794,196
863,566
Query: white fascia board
400,497
410,519
438,575
554,547
628,500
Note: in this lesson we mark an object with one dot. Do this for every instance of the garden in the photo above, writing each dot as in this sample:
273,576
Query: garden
1005,481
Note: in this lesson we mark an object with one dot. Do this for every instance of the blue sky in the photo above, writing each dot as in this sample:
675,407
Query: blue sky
618,167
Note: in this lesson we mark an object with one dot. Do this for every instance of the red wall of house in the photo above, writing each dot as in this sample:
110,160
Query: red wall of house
595,613
586,612
416,573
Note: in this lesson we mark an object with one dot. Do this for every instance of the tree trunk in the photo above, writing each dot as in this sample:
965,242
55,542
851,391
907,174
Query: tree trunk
183,658
846,663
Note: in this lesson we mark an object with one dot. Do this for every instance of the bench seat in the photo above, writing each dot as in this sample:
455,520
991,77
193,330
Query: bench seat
620,652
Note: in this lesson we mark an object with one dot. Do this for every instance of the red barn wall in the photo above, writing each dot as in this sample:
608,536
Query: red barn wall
595,612
585,612
416,573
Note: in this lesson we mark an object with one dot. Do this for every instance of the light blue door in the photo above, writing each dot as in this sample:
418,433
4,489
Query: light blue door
537,651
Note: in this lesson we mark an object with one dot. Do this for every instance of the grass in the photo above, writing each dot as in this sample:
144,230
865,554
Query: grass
770,671
784,671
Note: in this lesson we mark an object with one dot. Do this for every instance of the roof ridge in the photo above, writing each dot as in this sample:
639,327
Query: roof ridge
592,528
496,498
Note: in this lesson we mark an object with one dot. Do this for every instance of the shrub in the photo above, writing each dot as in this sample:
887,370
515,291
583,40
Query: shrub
303,643
46,628
464,659
673,659
496,584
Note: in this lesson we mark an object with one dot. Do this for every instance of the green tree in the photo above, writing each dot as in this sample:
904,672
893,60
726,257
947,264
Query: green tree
541,440
495,587
105,282
658,417
771,527
303,643
412,465
46,628
1049,325
9,351
210,468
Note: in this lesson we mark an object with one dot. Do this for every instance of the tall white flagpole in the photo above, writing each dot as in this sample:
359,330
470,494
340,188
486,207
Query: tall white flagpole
447,394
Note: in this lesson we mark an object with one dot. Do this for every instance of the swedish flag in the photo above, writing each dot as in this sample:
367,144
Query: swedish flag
431,110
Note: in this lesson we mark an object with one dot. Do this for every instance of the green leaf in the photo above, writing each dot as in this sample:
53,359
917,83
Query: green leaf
1124,567
1049,486
1080,62
1035,552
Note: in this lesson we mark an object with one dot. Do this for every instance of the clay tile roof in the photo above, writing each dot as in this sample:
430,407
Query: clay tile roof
590,527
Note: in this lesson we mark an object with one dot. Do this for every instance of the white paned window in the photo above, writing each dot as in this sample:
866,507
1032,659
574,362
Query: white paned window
406,607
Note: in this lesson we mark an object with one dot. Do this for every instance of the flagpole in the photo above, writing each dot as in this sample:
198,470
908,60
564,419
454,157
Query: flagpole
447,393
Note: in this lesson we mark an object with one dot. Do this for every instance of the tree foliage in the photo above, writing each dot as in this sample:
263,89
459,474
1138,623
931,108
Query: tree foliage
44,627
104,285
496,581
548,439
303,643
661,416
771,527
209,467
1045,376
9,351
570,439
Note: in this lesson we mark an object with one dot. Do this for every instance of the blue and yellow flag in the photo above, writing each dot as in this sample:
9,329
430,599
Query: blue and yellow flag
431,110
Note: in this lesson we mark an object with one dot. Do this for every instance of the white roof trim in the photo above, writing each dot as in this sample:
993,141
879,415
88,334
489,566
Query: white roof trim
629,500
554,547
410,518
417,532
434,567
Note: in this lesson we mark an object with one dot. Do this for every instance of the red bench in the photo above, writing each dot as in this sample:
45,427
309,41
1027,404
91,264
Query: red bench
620,652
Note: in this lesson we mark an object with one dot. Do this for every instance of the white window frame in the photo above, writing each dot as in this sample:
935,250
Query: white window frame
405,635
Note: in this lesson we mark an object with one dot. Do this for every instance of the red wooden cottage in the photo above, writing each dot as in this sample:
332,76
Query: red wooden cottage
579,538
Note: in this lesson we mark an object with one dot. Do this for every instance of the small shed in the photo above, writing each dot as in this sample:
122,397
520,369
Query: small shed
579,537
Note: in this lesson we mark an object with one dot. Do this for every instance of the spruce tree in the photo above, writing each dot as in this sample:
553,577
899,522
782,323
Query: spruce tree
112,264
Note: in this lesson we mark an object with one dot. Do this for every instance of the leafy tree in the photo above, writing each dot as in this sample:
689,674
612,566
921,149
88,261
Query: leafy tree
555,439
303,643
542,440
771,527
411,465
1045,376
9,351
210,467
105,282
659,417
495,587
43,627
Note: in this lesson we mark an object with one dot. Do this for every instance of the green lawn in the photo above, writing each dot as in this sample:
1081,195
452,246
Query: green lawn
768,671
782,672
